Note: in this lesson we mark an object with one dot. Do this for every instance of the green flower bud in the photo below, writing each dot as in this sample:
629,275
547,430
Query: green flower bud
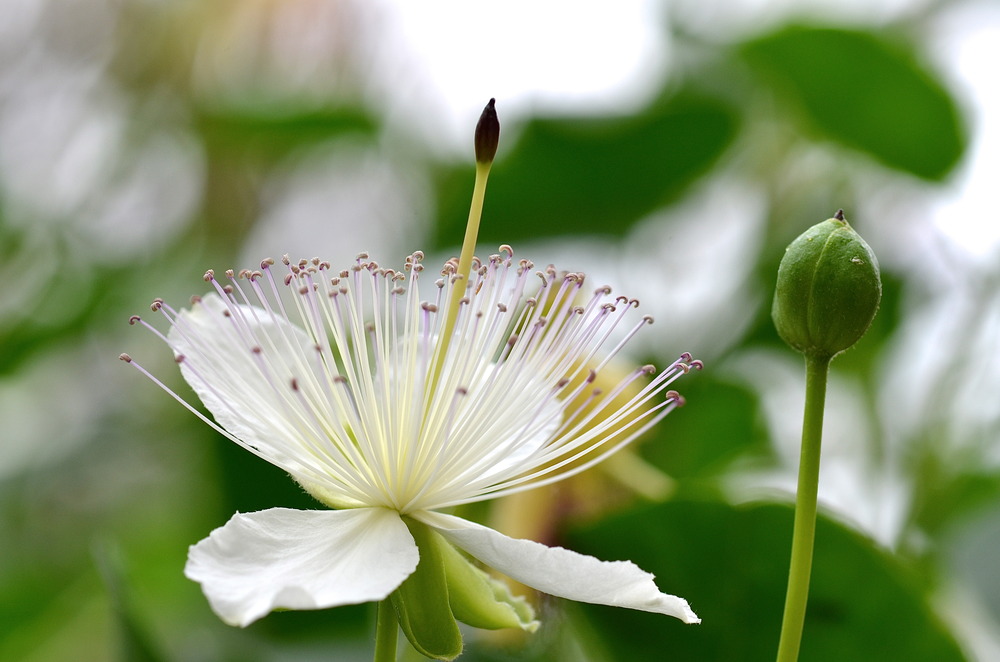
445,587
828,289
421,602
479,600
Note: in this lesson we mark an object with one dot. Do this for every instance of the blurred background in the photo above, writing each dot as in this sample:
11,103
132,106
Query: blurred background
670,149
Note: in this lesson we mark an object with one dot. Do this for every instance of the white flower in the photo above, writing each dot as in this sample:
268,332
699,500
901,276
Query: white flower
379,412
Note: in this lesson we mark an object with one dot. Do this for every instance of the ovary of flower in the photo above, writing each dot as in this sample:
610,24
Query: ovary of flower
355,401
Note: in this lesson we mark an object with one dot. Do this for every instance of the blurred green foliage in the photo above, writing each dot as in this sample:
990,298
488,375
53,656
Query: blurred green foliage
591,176
865,91
123,463
731,556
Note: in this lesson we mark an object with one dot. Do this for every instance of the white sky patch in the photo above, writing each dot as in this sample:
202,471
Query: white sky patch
525,53
968,211
857,483
336,201
448,57
725,20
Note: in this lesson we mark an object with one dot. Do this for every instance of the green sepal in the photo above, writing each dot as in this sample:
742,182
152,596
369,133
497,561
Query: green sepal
828,289
479,600
421,602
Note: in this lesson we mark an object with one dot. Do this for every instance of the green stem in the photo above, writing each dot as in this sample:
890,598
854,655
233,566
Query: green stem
464,267
804,530
386,631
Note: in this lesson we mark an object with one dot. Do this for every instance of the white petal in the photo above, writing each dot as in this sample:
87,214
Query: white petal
220,367
559,571
301,559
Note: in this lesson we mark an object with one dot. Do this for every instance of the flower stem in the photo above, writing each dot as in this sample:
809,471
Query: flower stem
469,243
486,140
386,631
803,533
464,266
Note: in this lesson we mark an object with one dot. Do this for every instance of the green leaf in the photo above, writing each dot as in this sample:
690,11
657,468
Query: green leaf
421,602
136,643
274,132
865,92
950,489
731,563
589,176
719,423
